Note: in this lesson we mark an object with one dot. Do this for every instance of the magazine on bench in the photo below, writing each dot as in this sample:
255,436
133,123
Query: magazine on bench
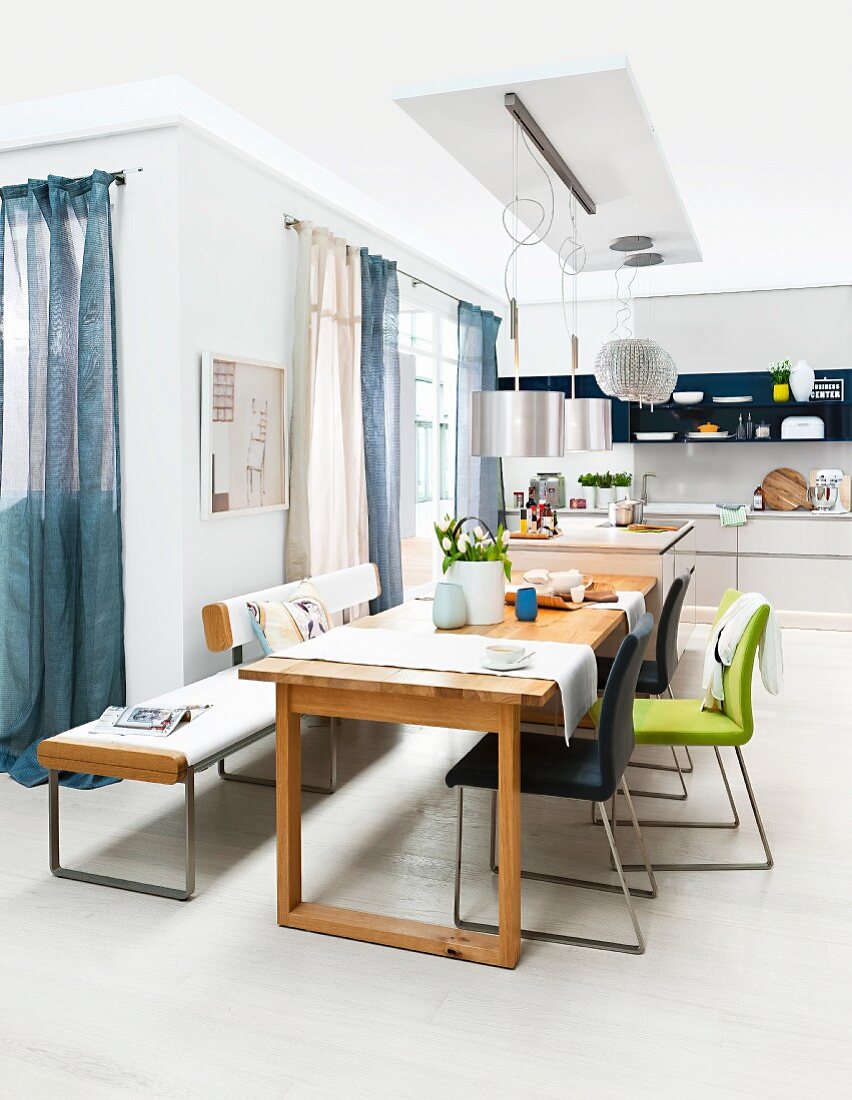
151,721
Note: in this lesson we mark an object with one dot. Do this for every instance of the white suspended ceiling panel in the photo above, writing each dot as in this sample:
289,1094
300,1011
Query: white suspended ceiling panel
594,116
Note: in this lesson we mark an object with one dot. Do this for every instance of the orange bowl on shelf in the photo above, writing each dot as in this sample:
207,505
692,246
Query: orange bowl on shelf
708,427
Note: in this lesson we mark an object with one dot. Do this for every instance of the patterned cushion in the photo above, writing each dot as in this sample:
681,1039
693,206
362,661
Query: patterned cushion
281,625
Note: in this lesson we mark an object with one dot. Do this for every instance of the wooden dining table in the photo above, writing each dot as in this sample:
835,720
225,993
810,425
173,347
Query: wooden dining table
468,701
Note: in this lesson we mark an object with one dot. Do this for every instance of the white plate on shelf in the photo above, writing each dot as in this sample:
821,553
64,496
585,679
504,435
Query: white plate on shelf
732,400
701,437
654,437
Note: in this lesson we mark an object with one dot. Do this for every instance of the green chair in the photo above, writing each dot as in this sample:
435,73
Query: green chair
682,722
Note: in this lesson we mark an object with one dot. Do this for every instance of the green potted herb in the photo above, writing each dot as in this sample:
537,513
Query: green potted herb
606,489
622,480
781,380
589,481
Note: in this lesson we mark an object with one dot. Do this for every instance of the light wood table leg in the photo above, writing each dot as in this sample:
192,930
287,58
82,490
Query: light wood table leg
288,798
413,935
509,801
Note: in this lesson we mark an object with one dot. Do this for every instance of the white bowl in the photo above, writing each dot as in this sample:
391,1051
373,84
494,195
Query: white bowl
564,582
688,397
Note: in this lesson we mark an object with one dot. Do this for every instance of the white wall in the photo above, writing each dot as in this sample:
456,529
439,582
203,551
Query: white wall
146,242
237,278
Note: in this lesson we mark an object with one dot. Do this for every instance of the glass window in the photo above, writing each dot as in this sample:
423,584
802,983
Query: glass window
423,459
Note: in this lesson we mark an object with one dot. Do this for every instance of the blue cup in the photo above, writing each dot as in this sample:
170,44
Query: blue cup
526,605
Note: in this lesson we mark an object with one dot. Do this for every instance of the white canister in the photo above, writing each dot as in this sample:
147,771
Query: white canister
484,586
802,380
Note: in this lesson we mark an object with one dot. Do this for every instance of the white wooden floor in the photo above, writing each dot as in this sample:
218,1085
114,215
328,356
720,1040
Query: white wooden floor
744,990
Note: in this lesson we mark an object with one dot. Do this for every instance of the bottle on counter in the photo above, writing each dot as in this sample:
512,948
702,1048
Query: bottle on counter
759,502
749,427
741,428
523,520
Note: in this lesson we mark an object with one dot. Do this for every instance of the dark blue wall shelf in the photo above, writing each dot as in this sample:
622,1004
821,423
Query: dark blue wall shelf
629,418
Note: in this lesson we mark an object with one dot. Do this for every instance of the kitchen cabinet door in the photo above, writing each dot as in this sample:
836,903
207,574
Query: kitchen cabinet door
800,584
714,574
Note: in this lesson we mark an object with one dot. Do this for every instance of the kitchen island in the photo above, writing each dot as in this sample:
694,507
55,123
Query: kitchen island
589,544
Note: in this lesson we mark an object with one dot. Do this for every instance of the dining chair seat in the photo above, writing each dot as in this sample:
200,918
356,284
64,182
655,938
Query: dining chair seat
548,767
680,722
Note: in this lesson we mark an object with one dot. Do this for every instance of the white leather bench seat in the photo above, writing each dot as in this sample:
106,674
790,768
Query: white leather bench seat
240,708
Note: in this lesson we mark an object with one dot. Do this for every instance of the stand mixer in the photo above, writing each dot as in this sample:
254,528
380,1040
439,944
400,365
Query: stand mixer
824,494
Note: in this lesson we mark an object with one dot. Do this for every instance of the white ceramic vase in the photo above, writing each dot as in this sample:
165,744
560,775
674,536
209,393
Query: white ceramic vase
484,587
802,380
605,497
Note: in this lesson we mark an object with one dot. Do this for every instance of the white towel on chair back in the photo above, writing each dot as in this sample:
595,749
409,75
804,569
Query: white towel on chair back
724,639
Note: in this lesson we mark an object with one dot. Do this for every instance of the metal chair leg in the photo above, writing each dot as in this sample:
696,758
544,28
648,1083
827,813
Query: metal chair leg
123,883
262,781
767,865
553,937
662,823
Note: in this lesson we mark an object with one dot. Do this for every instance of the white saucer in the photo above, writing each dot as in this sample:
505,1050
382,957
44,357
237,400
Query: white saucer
524,661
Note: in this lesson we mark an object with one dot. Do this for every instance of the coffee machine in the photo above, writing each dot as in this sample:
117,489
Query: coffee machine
548,488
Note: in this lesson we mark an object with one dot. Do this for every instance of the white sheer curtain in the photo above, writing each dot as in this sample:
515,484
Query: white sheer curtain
327,521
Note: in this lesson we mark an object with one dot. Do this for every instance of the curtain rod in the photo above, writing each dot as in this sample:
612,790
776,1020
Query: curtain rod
290,223
123,173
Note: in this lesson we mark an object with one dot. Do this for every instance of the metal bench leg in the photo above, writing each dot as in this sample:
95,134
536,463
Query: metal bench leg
637,948
123,883
262,781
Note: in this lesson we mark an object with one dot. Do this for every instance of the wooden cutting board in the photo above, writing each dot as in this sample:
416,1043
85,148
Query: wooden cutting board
785,490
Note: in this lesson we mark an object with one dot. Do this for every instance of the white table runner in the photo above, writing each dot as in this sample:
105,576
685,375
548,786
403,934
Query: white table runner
631,603
572,667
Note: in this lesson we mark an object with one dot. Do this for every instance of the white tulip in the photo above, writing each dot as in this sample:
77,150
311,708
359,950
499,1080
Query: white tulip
506,538
480,534
463,542
446,543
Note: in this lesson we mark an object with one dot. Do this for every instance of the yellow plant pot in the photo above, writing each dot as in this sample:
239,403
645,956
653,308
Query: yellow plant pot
781,392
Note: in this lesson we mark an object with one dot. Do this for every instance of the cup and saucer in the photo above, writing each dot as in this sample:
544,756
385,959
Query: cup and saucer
505,658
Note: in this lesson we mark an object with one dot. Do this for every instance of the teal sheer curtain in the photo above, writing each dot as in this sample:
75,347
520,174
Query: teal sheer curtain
61,600
479,481
380,389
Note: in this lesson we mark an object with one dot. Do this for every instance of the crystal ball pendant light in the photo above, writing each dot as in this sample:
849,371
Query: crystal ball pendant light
634,369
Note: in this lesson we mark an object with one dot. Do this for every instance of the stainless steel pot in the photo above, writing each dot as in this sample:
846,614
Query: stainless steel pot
624,512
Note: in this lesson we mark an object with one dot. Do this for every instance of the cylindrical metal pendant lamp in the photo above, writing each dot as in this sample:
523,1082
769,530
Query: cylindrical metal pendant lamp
588,424
517,423
588,420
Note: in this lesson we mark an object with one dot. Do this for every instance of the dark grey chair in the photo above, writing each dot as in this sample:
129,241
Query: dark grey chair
655,678
588,770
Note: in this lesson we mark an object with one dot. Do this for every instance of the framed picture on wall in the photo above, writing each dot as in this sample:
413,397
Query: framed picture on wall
244,436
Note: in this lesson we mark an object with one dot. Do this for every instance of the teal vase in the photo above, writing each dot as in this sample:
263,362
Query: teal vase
448,609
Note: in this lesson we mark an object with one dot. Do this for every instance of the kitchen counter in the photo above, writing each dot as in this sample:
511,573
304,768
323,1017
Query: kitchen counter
687,509
593,533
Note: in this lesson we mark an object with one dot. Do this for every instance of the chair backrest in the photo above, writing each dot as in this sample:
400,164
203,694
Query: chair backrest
227,624
736,679
667,630
616,738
